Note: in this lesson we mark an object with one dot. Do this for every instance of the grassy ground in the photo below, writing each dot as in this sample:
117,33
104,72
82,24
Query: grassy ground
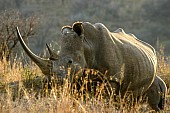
22,90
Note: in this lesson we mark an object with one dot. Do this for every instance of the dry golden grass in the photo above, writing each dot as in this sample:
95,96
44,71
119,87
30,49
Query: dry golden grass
22,90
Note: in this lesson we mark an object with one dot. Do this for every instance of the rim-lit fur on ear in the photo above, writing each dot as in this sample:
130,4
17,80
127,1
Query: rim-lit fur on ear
78,28
66,29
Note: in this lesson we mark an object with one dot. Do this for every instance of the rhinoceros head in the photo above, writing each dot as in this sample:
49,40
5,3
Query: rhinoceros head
71,55
71,58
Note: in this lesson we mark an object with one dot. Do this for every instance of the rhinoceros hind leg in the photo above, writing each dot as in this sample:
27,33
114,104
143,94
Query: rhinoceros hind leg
161,103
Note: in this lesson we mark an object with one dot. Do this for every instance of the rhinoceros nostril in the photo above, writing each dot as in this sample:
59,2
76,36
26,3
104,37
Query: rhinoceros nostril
70,61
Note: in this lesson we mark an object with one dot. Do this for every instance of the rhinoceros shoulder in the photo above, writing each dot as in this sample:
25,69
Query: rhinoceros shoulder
101,27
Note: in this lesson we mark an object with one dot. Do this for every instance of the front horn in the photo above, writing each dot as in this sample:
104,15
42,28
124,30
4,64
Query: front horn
44,64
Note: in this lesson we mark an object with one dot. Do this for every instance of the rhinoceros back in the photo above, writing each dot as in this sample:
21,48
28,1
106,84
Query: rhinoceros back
140,61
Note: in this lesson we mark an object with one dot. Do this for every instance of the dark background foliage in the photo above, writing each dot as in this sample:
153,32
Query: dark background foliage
149,20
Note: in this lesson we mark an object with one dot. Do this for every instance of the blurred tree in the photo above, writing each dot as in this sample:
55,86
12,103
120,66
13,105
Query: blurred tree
157,10
10,4
9,21
147,19
157,17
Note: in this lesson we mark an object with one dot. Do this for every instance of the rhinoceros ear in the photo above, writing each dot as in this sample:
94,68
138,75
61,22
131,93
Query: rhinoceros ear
66,29
78,28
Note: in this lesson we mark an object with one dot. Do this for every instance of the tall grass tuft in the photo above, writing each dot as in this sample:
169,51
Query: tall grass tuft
23,90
